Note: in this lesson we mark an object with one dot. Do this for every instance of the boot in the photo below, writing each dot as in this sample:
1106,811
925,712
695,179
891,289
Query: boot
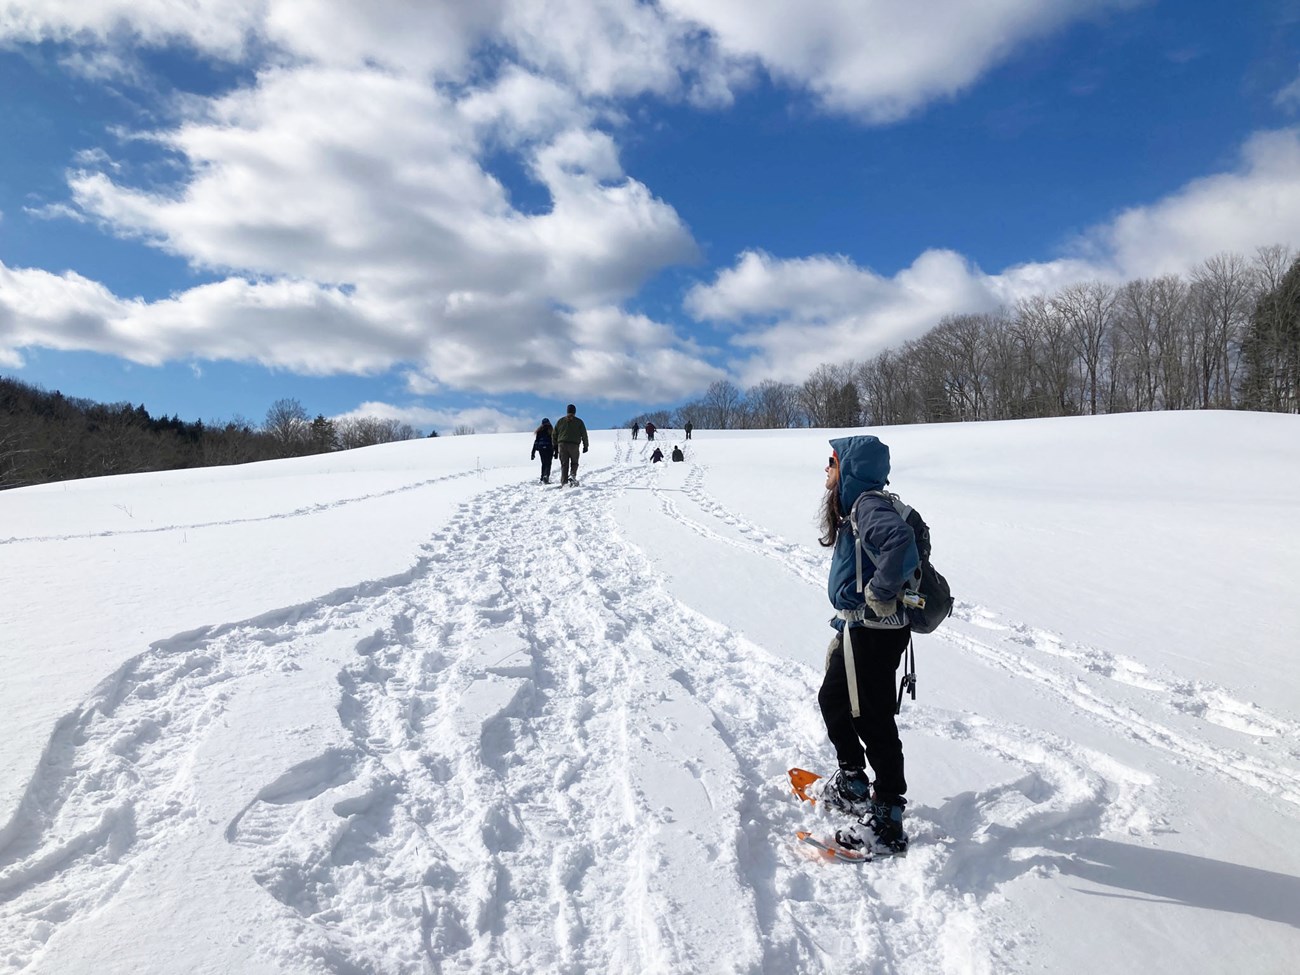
881,829
849,791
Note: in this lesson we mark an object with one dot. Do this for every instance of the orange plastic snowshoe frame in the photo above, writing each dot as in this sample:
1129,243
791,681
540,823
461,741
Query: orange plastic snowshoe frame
800,779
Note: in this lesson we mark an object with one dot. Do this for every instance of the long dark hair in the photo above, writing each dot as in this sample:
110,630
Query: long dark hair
832,516
546,425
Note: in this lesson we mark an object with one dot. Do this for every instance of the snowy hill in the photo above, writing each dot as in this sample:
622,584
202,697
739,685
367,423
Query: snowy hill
404,710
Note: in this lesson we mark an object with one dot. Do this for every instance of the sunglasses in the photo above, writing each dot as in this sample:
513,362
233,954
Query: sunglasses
833,461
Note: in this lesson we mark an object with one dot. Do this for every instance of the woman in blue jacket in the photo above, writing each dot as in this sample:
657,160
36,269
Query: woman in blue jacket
857,694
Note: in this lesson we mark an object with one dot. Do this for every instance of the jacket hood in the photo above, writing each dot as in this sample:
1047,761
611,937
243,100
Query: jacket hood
864,466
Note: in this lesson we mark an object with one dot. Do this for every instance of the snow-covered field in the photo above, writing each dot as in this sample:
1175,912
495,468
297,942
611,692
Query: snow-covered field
404,710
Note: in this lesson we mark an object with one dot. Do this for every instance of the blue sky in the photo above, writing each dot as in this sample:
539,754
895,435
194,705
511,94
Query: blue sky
473,214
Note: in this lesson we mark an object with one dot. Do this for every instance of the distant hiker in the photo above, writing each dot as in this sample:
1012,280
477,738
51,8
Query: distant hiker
544,444
635,428
569,432
857,693
649,430
657,456
677,453
688,428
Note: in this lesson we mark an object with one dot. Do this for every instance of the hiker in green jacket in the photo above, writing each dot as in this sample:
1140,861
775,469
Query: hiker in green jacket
569,432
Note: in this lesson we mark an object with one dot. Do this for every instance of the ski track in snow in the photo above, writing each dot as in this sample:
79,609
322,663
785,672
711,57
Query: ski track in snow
312,509
546,763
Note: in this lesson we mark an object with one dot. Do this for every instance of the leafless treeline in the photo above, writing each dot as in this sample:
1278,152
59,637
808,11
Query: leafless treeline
1225,337
295,433
50,437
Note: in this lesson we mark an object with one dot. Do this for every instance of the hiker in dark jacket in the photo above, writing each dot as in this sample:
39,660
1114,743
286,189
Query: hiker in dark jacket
688,428
677,453
649,431
569,432
544,444
857,693
657,456
635,428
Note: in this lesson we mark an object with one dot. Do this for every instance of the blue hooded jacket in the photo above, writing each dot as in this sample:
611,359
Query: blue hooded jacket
889,555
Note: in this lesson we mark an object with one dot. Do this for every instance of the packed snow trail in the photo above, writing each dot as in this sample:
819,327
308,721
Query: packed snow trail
535,758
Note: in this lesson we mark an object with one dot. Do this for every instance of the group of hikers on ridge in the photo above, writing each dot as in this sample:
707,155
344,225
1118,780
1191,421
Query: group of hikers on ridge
650,429
563,439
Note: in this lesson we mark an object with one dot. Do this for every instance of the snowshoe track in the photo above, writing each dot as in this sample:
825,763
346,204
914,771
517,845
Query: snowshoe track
545,763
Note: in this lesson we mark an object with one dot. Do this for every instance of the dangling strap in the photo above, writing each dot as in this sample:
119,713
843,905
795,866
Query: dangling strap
908,683
852,519
851,672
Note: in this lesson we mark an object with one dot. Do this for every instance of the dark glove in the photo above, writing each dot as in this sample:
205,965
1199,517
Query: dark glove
533,455
584,448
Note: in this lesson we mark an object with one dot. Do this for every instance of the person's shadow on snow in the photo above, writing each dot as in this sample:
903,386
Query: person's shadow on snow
980,866
1181,878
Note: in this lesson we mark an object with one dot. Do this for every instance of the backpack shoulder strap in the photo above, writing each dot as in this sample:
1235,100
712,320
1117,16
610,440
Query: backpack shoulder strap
853,523
904,511
900,506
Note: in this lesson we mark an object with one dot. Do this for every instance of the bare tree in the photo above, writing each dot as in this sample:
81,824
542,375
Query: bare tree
888,389
774,404
1135,320
1170,299
1087,310
825,399
366,431
288,426
1011,380
1223,287
1045,338
961,354
1270,267
722,404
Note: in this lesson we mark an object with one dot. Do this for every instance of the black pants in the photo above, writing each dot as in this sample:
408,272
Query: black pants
546,463
873,735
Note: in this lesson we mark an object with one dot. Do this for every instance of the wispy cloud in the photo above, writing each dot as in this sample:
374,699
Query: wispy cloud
481,419
1289,97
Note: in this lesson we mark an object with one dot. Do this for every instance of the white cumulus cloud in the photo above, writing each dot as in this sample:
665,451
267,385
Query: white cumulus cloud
790,315
360,230
881,59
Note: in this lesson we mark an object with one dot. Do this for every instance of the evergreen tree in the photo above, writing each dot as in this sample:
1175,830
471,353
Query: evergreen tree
1271,348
